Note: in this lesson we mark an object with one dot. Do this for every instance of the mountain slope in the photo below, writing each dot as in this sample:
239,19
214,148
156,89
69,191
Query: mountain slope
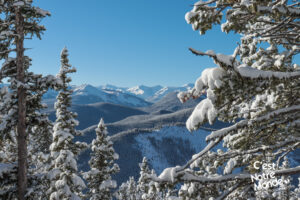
90,114
166,147
134,136
157,145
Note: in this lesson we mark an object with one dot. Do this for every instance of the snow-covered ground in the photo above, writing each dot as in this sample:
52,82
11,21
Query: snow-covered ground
147,143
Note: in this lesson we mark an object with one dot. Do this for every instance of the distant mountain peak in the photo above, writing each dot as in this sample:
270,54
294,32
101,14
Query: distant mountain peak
136,90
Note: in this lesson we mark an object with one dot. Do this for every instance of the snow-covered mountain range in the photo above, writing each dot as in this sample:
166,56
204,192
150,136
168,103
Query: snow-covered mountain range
150,94
139,96
88,94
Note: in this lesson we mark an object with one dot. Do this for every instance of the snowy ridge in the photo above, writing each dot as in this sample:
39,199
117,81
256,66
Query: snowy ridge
151,94
251,72
86,94
138,96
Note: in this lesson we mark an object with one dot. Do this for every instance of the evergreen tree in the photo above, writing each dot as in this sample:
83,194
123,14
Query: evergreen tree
102,166
286,190
297,191
65,180
19,19
146,188
128,190
256,88
143,182
154,192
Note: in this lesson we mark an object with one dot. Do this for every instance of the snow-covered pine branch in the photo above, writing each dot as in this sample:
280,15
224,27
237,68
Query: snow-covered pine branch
257,90
171,175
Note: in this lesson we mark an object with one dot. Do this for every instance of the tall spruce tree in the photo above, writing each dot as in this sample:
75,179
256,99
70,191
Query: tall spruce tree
146,188
18,20
128,190
65,180
143,182
102,166
257,88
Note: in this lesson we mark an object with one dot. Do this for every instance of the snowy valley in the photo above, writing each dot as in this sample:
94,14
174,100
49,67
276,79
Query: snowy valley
156,131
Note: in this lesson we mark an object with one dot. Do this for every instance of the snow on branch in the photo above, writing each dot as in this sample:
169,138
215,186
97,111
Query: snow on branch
171,174
230,190
282,9
286,152
19,3
251,72
42,12
186,95
210,78
208,147
223,132
261,148
222,60
6,168
244,70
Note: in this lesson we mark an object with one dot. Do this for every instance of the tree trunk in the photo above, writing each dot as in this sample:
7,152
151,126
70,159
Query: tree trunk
21,128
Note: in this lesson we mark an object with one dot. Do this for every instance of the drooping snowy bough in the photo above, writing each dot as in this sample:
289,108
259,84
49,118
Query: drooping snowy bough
257,90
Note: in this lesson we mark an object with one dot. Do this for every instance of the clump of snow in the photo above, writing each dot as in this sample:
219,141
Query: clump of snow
78,181
19,3
108,184
54,173
230,165
189,16
211,78
225,59
6,168
42,12
205,110
169,174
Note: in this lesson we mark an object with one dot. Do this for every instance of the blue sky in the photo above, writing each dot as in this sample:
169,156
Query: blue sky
125,43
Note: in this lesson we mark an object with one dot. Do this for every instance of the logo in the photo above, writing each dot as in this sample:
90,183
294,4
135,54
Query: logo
267,179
